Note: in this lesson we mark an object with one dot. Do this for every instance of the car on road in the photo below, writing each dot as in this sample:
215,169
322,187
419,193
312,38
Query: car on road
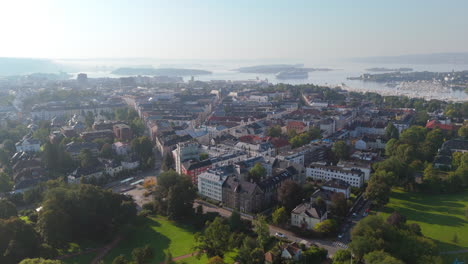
280,235
340,235
354,214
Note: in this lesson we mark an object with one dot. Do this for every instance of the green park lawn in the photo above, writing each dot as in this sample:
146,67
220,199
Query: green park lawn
163,236
441,217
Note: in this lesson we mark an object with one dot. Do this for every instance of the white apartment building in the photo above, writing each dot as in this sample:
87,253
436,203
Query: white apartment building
185,151
210,185
319,171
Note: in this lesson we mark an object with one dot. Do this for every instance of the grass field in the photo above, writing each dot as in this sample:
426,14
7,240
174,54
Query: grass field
162,235
441,217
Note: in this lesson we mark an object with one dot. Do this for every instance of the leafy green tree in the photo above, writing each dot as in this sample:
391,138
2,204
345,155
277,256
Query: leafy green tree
174,195
290,194
396,219
138,127
6,183
167,162
106,151
9,146
89,119
249,253
42,134
7,209
314,133
87,159
379,188
256,173
120,260
413,135
168,258
342,256
381,257
314,255
327,227
83,212
215,239
391,146
40,261
142,255
18,240
204,156
262,230
235,221
391,131
142,147
274,131
463,132
341,150
280,216
339,205
374,234
216,260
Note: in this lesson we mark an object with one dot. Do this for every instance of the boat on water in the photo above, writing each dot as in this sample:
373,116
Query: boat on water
294,74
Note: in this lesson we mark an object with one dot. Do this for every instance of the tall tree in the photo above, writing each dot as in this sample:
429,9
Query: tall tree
274,131
9,146
280,216
250,253
235,221
341,150
174,195
380,257
256,173
339,205
290,194
262,230
216,260
215,239
87,159
7,209
391,131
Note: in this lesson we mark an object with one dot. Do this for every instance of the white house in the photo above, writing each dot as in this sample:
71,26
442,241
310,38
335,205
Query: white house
28,145
306,215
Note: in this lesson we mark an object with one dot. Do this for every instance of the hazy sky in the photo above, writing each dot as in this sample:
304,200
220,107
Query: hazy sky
237,29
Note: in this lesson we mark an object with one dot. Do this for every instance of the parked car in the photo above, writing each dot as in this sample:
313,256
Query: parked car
280,235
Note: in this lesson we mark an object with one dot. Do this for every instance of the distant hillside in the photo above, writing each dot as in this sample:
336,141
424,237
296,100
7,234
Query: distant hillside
160,71
435,58
21,66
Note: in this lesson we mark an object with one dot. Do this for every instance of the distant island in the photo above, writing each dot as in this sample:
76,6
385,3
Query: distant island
159,71
433,58
382,69
278,68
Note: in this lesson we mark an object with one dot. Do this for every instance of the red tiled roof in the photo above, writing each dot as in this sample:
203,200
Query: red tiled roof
296,124
436,124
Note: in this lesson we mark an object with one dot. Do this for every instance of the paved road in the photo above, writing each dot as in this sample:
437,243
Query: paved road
331,246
